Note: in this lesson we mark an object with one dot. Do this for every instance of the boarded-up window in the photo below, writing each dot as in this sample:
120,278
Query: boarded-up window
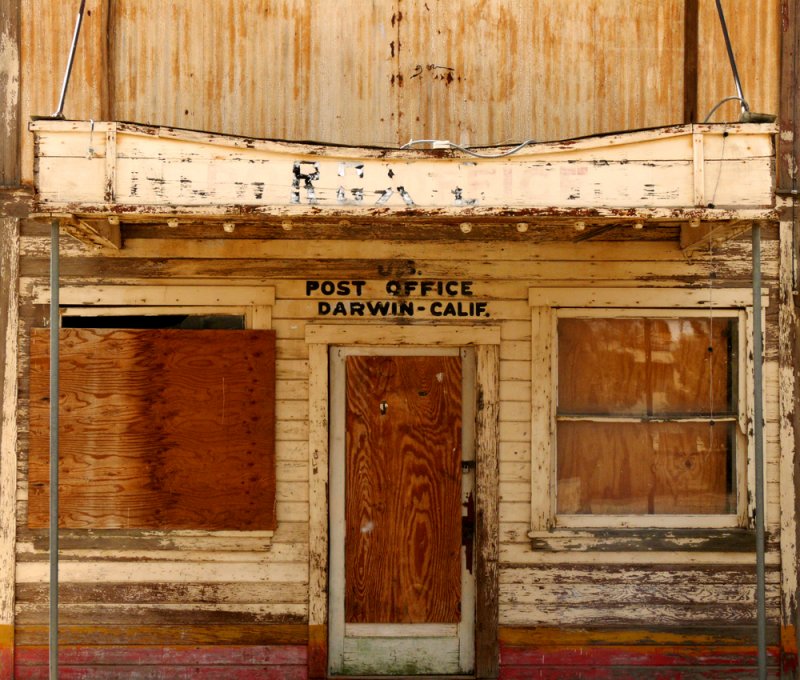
646,418
159,429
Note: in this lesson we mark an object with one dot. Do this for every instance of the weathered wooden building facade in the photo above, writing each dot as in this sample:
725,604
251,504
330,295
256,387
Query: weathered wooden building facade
360,406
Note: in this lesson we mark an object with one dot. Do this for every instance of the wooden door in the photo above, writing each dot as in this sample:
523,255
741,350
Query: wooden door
402,595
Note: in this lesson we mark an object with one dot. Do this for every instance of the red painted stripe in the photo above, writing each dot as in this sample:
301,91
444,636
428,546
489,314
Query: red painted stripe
167,673
234,655
632,656
7,663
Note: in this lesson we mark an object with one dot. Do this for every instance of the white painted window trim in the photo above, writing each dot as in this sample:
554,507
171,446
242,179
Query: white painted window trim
254,303
550,304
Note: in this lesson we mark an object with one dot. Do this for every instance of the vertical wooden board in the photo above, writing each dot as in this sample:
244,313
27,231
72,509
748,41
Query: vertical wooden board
46,29
690,50
403,490
9,328
9,92
159,429
754,29
487,527
318,419
541,410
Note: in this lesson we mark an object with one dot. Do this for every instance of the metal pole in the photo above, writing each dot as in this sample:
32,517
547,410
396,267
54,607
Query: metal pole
55,324
731,58
70,59
758,432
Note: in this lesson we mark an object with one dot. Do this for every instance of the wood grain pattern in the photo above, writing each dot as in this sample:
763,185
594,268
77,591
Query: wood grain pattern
487,436
9,400
644,468
159,429
645,366
403,490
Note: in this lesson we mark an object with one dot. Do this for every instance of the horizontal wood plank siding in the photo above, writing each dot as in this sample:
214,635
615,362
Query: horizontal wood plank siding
220,583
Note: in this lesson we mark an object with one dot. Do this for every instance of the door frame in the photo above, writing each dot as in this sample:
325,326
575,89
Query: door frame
486,341
338,629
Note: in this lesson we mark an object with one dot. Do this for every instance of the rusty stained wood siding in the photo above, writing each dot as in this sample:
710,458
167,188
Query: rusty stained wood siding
382,73
755,32
9,92
113,580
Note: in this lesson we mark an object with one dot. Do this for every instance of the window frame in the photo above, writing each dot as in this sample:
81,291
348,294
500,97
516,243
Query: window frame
253,302
547,306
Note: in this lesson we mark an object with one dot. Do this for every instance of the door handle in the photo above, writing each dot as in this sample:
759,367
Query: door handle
468,530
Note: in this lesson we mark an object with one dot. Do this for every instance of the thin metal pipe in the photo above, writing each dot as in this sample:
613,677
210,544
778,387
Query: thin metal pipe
758,435
78,21
55,324
731,58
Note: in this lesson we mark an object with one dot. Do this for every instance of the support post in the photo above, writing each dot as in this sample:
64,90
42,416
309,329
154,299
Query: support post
9,328
758,435
55,324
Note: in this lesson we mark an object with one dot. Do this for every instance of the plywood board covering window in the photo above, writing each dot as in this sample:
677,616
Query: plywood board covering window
159,429
647,415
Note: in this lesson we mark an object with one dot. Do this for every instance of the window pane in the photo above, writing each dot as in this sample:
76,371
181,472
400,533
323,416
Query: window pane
646,366
691,360
601,366
645,468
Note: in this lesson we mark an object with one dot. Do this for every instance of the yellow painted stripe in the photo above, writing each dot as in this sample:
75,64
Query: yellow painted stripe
6,635
789,639
544,636
211,634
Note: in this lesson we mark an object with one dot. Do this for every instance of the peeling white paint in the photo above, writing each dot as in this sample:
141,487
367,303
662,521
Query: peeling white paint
9,80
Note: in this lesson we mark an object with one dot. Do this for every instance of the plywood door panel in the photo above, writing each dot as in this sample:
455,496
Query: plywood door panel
403,489
159,429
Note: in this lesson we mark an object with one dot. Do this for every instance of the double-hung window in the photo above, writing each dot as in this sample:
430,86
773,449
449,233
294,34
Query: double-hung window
640,412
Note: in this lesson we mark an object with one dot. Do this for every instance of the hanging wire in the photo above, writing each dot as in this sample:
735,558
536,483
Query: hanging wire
467,150
745,105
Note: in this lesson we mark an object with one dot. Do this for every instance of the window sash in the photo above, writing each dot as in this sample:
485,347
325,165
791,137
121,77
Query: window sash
545,312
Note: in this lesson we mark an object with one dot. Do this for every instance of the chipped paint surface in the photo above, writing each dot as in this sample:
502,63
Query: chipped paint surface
9,79
176,169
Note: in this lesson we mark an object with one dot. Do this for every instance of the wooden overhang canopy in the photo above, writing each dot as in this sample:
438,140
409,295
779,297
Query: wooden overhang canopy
703,182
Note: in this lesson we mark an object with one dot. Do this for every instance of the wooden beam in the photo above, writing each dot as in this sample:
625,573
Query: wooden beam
97,233
708,233
9,87
690,52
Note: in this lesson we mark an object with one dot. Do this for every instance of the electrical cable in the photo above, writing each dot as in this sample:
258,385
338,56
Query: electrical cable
467,150
745,105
